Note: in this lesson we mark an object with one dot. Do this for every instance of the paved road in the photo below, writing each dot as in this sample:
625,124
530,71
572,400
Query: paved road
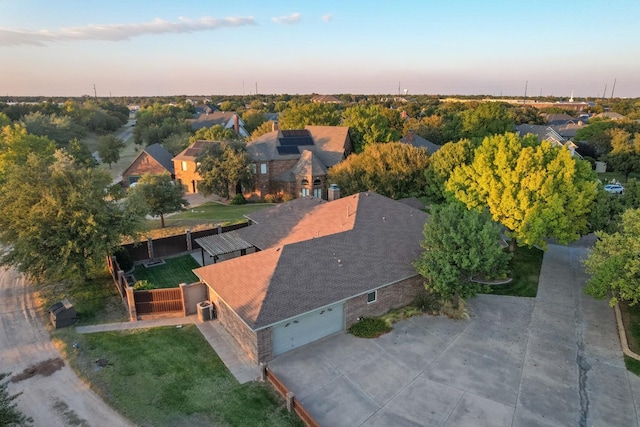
60,399
550,361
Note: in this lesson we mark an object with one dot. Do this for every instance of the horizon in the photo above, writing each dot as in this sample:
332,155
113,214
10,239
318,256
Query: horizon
163,48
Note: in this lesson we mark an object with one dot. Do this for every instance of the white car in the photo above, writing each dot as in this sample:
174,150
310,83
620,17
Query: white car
614,188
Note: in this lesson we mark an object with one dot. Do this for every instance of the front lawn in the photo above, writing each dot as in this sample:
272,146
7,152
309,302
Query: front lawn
170,274
209,213
171,377
525,269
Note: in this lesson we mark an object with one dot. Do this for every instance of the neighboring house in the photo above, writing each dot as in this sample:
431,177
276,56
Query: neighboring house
610,115
549,133
296,161
204,109
417,141
185,164
559,119
154,159
314,269
227,119
326,99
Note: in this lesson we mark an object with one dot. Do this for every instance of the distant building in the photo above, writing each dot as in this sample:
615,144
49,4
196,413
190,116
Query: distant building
226,119
326,99
154,159
417,141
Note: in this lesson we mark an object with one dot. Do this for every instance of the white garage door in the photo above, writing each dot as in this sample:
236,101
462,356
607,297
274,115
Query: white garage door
307,328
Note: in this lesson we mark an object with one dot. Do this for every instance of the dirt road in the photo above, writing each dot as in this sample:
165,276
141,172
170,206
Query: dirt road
54,396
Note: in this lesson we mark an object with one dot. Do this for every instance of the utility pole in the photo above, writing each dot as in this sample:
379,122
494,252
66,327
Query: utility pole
526,85
256,88
604,94
614,87
95,94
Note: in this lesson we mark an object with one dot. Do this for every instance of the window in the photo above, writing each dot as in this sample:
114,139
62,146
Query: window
317,193
317,182
184,165
263,168
304,181
304,192
372,297
253,168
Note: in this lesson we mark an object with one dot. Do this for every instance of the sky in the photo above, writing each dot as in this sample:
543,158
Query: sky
235,47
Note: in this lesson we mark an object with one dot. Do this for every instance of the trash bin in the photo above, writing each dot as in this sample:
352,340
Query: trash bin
62,314
205,311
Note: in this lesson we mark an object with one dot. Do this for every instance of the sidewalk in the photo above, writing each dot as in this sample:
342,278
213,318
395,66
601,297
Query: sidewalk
240,366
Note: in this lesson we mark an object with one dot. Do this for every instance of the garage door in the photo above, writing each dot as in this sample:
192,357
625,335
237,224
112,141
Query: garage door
307,328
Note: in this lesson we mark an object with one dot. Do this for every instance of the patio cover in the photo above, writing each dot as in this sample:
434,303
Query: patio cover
221,244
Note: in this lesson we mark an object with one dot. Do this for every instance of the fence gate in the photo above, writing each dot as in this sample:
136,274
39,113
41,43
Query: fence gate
158,301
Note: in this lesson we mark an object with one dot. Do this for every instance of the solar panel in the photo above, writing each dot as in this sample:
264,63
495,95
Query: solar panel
288,149
296,140
295,132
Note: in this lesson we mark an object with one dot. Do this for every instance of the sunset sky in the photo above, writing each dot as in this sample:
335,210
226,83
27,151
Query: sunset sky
171,47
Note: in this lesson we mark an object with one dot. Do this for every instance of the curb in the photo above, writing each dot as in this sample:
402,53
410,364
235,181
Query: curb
623,335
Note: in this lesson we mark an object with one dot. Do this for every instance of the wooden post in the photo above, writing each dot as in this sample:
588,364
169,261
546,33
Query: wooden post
189,245
289,397
263,371
150,248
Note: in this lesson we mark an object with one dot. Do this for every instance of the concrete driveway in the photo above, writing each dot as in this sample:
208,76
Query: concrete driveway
550,361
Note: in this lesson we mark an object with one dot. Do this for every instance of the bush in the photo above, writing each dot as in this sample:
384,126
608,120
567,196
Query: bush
124,258
368,327
143,285
269,198
428,302
238,199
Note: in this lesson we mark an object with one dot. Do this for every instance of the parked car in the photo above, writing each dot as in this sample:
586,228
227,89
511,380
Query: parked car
614,188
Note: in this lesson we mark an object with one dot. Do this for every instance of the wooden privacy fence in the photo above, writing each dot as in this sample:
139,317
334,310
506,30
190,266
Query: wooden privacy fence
293,404
158,301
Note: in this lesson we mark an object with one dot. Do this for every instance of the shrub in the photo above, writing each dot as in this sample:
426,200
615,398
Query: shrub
368,327
143,285
238,199
428,302
269,198
124,258
286,197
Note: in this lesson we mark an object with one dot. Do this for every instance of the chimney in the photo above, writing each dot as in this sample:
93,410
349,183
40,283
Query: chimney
404,115
274,126
410,136
236,124
334,192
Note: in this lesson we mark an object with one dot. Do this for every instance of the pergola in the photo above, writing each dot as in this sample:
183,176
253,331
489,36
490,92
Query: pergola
222,244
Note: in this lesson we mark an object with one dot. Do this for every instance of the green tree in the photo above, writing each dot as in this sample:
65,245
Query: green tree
535,190
160,194
253,119
4,120
488,118
428,127
526,114
176,142
264,128
625,153
394,170
297,116
16,145
109,147
460,244
368,125
441,165
61,129
223,166
80,154
596,134
614,263
10,415
58,221
214,133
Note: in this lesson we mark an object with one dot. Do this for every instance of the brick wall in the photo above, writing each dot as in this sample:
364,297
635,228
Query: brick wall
144,163
246,338
265,345
389,297
187,177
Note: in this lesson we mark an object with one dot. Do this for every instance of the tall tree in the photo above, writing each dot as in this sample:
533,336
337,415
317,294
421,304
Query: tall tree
297,116
614,263
80,154
535,190
214,133
109,147
58,221
625,153
368,125
253,119
460,244
161,195
61,129
16,145
441,165
223,167
394,170
488,118
264,128
10,415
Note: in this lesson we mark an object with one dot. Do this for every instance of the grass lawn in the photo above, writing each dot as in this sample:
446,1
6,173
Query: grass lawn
171,274
171,377
617,176
96,301
209,213
525,268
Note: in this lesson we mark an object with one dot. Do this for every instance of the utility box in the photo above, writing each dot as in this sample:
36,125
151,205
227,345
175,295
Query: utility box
206,311
62,314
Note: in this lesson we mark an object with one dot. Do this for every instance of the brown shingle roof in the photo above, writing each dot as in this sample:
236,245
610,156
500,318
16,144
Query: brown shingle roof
193,151
331,252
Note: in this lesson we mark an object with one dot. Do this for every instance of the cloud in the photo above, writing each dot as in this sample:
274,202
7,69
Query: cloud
117,32
327,18
291,19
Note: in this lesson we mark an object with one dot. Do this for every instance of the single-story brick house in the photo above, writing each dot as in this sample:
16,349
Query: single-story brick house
317,267
154,159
